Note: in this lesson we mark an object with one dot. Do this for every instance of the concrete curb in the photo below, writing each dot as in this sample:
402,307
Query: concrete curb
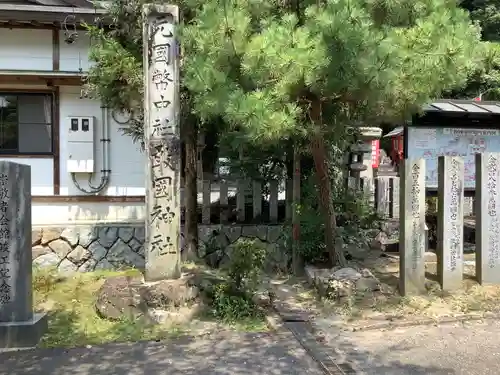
391,324
274,322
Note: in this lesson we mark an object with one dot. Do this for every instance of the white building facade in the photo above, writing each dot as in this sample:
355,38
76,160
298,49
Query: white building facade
41,66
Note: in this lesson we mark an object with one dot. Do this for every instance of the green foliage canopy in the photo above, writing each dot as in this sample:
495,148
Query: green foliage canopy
486,77
259,65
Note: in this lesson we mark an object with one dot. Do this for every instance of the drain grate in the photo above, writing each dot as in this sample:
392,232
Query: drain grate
317,351
347,369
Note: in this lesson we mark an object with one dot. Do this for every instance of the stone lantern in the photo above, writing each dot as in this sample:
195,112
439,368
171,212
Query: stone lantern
366,136
360,156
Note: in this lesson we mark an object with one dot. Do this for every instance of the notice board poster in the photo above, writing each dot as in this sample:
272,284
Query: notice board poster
430,143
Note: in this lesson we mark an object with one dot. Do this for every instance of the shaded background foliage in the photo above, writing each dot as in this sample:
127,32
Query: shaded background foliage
263,75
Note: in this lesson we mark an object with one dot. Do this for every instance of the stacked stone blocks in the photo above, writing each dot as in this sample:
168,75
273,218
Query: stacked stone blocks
119,246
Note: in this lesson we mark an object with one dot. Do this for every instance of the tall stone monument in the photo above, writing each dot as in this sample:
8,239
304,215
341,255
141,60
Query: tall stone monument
450,236
19,326
488,218
162,140
412,237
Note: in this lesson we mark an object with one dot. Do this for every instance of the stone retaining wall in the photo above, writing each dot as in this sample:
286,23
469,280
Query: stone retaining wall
118,246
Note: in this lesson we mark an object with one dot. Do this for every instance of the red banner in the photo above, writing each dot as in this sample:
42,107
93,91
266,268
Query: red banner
375,153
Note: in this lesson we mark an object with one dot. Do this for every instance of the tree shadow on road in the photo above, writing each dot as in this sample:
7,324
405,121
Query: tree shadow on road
220,353
378,362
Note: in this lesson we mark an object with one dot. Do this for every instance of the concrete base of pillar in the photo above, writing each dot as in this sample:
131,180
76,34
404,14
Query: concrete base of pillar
23,334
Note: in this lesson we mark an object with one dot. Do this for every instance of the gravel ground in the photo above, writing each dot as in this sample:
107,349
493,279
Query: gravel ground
228,354
454,349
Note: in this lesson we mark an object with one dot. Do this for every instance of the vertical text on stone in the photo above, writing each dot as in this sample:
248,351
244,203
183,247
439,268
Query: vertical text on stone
5,235
161,116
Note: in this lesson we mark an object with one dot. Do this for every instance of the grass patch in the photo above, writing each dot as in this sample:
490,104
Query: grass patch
255,323
73,321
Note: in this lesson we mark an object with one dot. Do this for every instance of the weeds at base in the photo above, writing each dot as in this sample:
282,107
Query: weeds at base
73,321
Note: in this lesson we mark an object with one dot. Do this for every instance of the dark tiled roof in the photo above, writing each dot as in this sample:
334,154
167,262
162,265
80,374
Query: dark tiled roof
463,106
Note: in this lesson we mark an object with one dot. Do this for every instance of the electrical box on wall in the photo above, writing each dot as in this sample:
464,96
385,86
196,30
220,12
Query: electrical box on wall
80,144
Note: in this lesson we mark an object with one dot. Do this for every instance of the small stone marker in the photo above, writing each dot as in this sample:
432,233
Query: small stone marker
450,243
382,192
19,326
395,197
412,227
162,139
488,218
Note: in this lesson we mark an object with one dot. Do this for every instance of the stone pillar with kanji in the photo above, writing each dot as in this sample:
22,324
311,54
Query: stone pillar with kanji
162,141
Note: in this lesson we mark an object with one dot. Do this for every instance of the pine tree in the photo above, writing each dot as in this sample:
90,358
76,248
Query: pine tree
302,70
307,69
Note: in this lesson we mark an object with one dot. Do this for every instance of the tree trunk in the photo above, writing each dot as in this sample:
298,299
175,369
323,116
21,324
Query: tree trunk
297,265
191,192
320,156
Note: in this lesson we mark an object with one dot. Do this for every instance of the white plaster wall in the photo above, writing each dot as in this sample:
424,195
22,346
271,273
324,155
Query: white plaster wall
28,49
74,56
127,171
60,214
42,176
25,49
126,159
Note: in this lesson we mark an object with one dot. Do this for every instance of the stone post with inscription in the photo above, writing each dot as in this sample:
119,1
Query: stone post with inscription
412,238
162,141
19,326
450,243
488,218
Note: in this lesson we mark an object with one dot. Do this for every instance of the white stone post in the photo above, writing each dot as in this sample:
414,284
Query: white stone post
162,139
488,218
412,234
450,236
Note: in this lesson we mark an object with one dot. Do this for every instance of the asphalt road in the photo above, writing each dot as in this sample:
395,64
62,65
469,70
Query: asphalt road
455,349
221,354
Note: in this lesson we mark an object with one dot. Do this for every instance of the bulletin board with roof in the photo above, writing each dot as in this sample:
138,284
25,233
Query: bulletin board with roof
453,128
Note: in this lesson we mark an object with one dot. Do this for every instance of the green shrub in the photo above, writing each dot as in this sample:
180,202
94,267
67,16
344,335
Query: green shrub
246,262
231,304
359,219
232,300
355,215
